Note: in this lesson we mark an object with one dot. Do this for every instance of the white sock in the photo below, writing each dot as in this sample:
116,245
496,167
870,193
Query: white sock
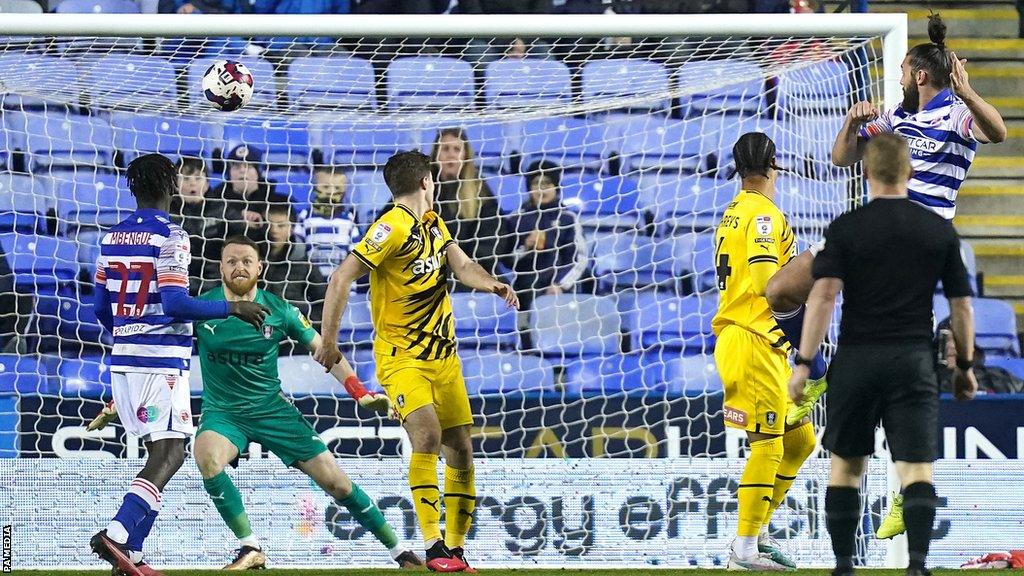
430,543
745,547
135,556
117,532
250,540
764,532
396,551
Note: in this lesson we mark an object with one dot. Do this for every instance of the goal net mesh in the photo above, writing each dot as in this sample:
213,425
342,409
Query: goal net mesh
612,355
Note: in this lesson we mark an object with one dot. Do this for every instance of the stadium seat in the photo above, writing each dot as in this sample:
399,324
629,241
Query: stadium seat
369,196
798,138
135,82
283,142
566,325
336,81
603,202
92,201
690,375
684,202
810,202
623,260
481,319
430,82
135,135
60,140
821,88
183,51
572,143
301,376
97,7
24,374
23,204
86,377
655,143
88,242
493,142
940,308
20,6
642,84
506,373
70,315
1014,366
701,262
47,79
39,260
526,82
365,144
666,321
510,189
264,88
296,183
357,322
608,375
731,86
995,325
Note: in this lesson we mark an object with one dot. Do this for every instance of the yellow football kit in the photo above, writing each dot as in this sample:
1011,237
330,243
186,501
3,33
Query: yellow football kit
414,346
752,242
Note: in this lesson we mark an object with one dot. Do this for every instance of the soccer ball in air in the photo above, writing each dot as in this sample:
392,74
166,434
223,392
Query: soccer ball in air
227,85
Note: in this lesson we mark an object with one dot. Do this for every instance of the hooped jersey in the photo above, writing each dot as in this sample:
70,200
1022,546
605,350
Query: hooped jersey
409,303
752,231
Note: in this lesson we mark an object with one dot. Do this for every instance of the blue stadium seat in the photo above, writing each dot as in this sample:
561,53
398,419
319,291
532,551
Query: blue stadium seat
696,374
369,195
97,7
810,202
1014,366
701,263
666,321
301,376
430,82
264,86
357,322
572,143
603,202
23,204
821,88
510,189
336,81
182,51
70,315
731,86
56,140
800,137
87,377
609,375
23,73
283,142
995,325
655,143
625,260
493,142
365,365
684,202
121,81
135,135
626,78
365,144
567,325
506,373
39,260
526,82
88,242
940,308
482,319
92,201
296,183
22,374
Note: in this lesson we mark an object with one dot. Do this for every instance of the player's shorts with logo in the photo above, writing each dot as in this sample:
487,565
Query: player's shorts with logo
153,406
278,427
412,384
755,377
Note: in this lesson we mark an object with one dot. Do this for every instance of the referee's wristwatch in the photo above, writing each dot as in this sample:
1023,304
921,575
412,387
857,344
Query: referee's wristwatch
964,365
801,361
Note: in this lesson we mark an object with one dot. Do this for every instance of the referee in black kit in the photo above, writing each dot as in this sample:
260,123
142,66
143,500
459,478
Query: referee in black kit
886,257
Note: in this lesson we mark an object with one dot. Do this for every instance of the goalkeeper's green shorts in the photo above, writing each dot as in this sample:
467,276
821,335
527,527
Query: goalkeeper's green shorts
283,431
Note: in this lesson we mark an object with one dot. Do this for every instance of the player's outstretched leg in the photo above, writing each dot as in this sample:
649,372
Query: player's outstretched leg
755,496
798,444
139,509
325,472
459,489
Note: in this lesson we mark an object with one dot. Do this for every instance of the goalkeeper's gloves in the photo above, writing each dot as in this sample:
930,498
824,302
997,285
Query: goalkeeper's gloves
379,403
107,415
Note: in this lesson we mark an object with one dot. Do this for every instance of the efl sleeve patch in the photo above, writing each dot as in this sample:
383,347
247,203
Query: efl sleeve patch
763,225
380,232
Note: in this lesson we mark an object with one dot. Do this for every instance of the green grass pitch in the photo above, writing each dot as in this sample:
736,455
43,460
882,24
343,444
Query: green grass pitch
483,572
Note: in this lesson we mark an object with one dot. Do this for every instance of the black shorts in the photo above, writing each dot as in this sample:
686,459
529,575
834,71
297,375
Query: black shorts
894,384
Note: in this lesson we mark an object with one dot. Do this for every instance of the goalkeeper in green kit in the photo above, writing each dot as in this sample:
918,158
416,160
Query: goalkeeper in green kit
243,403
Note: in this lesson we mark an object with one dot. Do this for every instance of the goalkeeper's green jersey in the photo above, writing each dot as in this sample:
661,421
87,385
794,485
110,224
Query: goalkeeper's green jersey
239,362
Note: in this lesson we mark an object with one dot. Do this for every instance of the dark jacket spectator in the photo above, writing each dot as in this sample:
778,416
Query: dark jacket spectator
465,202
204,218
288,273
991,379
550,254
246,194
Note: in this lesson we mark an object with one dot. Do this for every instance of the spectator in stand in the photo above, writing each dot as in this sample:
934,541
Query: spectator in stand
288,273
465,202
203,218
246,194
330,228
550,254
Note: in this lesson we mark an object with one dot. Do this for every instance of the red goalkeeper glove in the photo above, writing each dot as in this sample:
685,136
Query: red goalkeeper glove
379,403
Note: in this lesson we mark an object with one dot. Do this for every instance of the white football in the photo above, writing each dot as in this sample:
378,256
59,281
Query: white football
228,85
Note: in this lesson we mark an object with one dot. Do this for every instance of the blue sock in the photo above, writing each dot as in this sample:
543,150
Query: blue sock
133,511
141,531
792,324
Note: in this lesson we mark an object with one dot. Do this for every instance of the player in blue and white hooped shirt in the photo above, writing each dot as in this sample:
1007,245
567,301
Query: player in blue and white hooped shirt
141,297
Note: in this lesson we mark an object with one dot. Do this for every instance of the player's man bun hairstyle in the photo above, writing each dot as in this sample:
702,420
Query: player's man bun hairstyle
932,57
754,154
152,178
404,170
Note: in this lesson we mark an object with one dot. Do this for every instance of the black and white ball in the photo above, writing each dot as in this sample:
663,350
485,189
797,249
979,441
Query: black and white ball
228,85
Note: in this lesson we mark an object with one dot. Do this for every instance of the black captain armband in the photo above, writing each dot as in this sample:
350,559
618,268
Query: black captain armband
964,365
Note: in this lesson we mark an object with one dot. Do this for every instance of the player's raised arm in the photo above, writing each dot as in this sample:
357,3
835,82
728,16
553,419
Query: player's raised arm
848,148
987,123
474,276
352,268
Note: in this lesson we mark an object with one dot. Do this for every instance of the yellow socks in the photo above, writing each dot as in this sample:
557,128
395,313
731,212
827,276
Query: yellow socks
756,485
798,444
459,503
426,497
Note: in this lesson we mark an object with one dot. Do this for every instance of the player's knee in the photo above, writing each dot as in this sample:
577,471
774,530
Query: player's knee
175,457
426,439
208,463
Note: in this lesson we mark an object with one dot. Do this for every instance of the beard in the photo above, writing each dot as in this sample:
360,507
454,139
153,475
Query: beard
911,98
241,286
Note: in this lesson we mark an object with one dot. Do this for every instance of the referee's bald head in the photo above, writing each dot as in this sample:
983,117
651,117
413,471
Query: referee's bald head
887,162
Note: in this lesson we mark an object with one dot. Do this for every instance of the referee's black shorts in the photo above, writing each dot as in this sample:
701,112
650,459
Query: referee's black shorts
894,384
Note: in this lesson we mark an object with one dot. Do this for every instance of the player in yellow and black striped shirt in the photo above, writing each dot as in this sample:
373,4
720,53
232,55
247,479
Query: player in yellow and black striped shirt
752,242
410,254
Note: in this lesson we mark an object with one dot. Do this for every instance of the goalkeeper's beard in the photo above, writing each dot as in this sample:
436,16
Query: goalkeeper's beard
240,287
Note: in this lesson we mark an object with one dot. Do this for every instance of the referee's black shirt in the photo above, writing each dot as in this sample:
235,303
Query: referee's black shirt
890,255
